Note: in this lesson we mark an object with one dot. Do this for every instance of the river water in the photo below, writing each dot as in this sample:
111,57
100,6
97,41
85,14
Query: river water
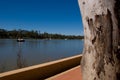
14,55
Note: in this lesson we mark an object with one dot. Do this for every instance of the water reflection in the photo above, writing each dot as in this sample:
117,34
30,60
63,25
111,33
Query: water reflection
2,67
33,43
21,61
2,43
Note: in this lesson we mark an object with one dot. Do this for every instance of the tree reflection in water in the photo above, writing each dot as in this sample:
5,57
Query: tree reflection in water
2,67
21,62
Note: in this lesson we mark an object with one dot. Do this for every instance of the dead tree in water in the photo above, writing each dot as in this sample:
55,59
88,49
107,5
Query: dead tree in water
101,56
21,63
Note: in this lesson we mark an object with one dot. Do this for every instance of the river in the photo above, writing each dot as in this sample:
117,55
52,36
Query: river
14,55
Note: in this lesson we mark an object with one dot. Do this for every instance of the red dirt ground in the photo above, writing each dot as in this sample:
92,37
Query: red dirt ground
74,74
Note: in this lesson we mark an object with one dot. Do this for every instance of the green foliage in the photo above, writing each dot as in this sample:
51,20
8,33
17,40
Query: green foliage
14,34
3,33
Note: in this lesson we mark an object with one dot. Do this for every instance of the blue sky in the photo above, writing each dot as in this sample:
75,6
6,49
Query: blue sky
52,16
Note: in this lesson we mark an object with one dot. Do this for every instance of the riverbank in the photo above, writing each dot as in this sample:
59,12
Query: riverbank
14,34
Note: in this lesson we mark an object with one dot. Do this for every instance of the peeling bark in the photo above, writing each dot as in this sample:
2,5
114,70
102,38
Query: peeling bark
101,56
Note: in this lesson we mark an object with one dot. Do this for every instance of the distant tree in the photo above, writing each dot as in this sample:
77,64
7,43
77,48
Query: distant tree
14,34
3,33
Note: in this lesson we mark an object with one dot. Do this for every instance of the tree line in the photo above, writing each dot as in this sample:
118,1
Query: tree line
14,34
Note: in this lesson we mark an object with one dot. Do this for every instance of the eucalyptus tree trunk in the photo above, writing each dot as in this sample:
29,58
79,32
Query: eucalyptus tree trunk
101,56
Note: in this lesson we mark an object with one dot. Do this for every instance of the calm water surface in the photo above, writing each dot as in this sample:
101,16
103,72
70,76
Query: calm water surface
14,55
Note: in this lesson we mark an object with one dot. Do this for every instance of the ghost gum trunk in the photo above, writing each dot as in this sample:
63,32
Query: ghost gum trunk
101,56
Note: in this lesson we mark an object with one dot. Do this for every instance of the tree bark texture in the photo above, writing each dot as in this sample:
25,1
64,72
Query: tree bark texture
101,55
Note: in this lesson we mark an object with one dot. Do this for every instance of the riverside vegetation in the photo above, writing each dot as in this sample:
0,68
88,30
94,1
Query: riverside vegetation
13,34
